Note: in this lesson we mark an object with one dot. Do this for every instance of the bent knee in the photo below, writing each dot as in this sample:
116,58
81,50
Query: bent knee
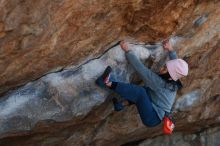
142,92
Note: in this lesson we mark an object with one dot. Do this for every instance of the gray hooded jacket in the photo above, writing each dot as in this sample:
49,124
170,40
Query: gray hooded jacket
160,91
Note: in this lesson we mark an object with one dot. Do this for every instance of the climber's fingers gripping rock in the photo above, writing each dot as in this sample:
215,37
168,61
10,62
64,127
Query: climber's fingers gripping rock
167,45
124,46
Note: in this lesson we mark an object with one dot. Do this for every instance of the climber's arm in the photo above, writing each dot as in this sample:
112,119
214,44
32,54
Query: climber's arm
150,79
172,55
168,46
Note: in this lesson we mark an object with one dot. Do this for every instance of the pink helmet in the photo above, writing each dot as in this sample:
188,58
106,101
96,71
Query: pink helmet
177,68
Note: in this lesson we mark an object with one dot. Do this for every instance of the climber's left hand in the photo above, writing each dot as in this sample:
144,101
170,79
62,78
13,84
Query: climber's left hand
124,46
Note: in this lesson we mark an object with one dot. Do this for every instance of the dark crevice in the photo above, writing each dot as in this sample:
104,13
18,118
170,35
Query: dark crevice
133,143
61,69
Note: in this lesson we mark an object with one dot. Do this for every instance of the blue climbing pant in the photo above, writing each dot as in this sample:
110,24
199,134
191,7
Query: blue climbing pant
139,96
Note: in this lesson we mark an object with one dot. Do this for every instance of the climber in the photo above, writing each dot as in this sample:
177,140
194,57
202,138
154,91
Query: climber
155,99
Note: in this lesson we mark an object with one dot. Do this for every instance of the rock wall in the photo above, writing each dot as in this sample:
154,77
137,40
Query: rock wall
45,36
204,138
56,49
63,95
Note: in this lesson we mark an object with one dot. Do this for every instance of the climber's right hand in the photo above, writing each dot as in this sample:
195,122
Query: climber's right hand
124,46
167,45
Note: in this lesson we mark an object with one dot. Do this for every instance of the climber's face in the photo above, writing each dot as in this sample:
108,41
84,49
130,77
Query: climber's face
163,70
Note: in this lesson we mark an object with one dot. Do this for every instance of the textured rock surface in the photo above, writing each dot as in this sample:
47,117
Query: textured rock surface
42,36
64,95
206,138
64,107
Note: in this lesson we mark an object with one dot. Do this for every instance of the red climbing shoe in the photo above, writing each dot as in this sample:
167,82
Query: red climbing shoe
168,125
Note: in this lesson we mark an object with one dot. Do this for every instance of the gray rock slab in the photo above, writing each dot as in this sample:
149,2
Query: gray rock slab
61,96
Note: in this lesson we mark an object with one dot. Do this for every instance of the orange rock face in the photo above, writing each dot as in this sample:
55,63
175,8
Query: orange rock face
42,36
